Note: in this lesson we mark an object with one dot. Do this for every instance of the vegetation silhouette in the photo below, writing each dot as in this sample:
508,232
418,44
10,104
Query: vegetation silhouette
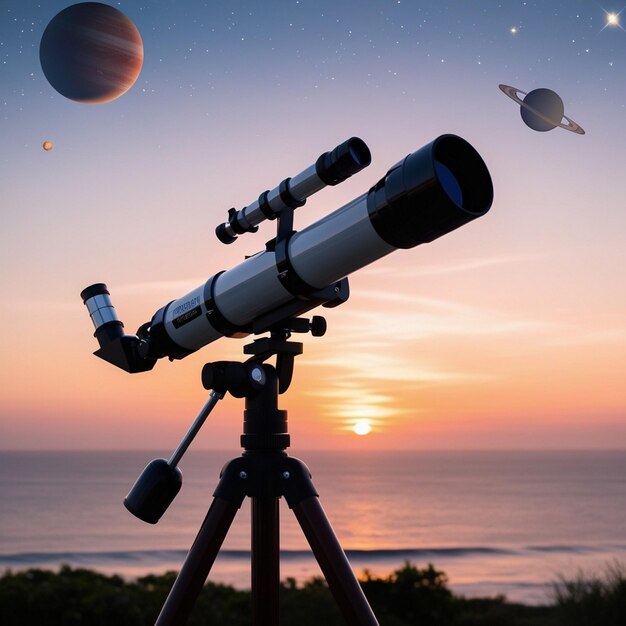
589,600
409,596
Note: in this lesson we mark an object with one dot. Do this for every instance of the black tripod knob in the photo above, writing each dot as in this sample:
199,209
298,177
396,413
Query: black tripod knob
238,379
318,326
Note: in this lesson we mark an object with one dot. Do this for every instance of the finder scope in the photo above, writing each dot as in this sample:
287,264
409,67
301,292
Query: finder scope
431,192
331,168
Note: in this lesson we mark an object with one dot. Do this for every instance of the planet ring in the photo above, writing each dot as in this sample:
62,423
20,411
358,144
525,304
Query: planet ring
512,92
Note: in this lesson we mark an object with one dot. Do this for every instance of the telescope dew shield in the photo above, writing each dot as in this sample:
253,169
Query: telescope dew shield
431,192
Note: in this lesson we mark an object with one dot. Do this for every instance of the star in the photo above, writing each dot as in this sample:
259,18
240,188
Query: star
612,20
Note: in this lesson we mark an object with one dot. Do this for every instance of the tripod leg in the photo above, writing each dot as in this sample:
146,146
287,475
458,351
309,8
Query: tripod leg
198,563
265,561
333,563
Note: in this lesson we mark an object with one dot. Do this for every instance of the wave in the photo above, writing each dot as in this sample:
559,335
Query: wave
176,557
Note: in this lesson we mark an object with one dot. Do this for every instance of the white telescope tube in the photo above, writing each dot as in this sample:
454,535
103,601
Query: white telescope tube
432,191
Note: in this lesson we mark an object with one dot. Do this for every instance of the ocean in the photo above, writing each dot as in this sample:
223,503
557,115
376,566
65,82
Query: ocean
506,522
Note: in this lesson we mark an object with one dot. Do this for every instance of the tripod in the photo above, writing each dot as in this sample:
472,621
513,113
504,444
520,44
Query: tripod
264,473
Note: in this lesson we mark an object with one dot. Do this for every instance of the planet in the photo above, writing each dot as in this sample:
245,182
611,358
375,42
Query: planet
542,109
90,52
47,146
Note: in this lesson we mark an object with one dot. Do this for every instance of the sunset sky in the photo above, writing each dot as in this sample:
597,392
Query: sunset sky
507,333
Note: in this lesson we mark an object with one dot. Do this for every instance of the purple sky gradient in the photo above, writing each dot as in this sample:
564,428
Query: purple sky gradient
510,332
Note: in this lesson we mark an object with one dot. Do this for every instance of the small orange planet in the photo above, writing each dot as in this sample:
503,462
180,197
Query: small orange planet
47,146
90,52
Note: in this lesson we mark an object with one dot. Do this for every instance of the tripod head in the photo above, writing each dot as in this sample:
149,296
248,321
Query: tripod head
265,425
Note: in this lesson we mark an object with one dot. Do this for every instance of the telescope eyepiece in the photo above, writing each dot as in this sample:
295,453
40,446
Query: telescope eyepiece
97,289
102,312
115,347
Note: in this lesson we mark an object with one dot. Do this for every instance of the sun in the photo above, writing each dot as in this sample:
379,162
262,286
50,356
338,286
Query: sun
362,427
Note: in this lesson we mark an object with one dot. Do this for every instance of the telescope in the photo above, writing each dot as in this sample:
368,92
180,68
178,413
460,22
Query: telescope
431,192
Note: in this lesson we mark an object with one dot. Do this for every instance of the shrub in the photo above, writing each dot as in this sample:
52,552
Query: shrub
589,600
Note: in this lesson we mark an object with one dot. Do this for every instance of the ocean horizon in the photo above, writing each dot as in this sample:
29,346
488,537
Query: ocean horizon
496,522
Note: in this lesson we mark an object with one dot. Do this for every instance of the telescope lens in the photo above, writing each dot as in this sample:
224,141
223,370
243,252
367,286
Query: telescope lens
449,183
462,174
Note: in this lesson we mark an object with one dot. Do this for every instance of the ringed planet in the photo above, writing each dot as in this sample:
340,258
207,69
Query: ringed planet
542,109
91,53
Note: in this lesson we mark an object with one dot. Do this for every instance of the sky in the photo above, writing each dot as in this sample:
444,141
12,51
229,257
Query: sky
509,332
